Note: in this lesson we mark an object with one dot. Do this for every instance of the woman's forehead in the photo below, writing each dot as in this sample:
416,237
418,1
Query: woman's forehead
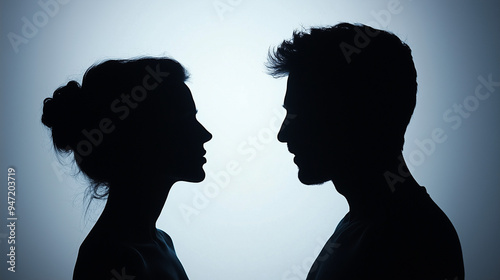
176,98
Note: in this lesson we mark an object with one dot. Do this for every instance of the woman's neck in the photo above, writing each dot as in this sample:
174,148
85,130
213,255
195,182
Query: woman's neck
132,209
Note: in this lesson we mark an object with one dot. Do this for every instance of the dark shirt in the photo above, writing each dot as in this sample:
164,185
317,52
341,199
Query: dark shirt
408,238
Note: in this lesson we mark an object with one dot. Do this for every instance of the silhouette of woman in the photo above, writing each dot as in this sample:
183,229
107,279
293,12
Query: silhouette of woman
132,129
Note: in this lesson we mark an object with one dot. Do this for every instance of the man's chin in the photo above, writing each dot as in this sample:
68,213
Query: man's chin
310,178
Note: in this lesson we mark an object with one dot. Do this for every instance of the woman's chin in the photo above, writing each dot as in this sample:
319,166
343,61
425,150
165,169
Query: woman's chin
188,171
195,177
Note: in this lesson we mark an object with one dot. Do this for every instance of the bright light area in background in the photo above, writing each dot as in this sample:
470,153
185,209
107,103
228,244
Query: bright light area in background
251,218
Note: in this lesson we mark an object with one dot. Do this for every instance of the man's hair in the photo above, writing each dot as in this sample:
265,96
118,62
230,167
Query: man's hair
371,69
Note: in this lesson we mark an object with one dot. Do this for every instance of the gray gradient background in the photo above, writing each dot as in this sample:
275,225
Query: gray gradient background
264,224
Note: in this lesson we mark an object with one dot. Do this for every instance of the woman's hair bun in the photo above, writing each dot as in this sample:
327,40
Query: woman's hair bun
61,114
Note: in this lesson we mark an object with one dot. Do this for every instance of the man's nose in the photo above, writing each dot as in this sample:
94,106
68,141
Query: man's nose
283,133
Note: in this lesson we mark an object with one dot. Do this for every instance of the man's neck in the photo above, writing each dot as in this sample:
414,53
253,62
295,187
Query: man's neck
368,189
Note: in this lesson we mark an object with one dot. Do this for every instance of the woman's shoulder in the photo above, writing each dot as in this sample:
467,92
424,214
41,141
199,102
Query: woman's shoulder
165,237
104,258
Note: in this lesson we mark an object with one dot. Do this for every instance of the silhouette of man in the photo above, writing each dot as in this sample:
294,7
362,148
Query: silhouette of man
350,94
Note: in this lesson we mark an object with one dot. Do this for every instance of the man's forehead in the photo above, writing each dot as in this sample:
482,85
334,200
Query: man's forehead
299,91
307,93
292,98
